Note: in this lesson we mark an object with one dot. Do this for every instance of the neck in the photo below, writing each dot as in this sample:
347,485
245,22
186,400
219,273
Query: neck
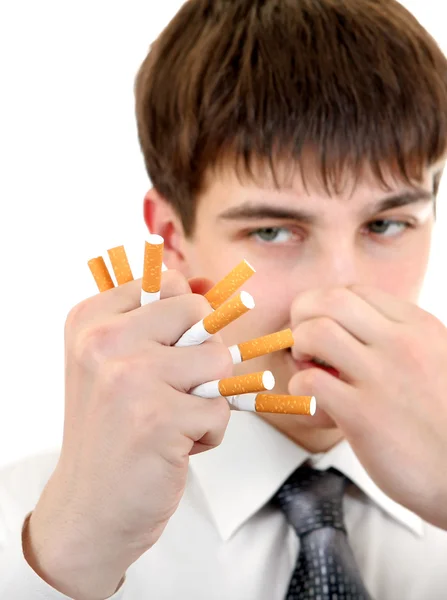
314,439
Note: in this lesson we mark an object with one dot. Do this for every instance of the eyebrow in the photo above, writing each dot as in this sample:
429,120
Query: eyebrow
251,211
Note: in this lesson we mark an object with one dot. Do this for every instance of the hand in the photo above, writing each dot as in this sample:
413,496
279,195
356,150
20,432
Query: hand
390,401
130,427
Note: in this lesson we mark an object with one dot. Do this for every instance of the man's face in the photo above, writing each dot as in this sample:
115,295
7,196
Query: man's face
346,239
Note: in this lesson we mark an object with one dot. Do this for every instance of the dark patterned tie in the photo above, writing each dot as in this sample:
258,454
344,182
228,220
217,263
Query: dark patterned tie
326,567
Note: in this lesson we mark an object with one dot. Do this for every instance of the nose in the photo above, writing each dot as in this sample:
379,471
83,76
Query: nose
337,262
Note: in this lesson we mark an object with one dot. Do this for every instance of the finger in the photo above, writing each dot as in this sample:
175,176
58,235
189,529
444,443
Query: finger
204,422
173,283
345,307
179,368
126,298
334,396
194,365
163,322
393,308
326,339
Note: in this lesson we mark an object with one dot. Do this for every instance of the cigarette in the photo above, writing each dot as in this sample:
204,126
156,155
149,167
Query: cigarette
274,403
223,290
240,384
101,274
120,264
153,266
262,345
217,320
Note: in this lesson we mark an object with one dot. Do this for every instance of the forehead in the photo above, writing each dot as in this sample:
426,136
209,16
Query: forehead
228,184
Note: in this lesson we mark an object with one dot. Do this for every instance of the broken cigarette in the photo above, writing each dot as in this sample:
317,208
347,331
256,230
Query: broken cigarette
274,403
261,346
152,269
225,288
217,320
101,274
120,265
239,384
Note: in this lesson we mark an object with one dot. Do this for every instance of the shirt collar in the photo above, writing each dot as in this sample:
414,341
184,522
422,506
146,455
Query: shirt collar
254,459
343,458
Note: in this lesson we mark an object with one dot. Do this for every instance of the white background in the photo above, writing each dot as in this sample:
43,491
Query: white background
72,182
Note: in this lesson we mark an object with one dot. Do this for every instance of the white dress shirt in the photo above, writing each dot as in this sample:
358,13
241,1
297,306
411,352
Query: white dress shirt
225,542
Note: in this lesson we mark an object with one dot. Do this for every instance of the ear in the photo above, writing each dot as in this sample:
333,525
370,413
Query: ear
160,218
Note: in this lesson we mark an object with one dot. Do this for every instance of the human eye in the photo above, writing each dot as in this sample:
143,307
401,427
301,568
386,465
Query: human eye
382,226
272,235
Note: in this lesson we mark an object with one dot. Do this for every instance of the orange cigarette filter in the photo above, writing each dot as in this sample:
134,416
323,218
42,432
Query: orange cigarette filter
120,264
101,274
245,384
153,259
228,312
285,404
266,344
223,290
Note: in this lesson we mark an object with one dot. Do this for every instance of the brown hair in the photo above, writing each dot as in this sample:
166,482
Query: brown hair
231,82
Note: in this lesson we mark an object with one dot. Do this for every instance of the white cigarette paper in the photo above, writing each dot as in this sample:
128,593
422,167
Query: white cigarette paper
221,317
235,354
149,297
195,336
243,402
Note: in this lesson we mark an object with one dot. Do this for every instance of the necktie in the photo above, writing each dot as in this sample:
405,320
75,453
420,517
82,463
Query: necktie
326,569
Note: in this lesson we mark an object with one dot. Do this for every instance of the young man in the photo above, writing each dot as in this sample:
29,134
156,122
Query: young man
307,136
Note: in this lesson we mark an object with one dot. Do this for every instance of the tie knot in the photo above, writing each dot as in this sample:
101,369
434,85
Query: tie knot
312,499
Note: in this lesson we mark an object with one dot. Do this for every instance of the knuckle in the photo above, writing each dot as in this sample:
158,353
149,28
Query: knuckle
304,382
336,297
151,416
128,382
223,413
75,317
220,417
400,340
324,329
293,307
220,358
117,375
202,304
309,379
174,283
415,354
154,363
198,307
407,347
154,355
140,371
93,345
432,324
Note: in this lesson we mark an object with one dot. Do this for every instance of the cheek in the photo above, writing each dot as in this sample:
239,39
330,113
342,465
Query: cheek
209,256
406,279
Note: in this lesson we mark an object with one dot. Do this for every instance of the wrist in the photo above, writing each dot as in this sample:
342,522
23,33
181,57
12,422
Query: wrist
68,566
